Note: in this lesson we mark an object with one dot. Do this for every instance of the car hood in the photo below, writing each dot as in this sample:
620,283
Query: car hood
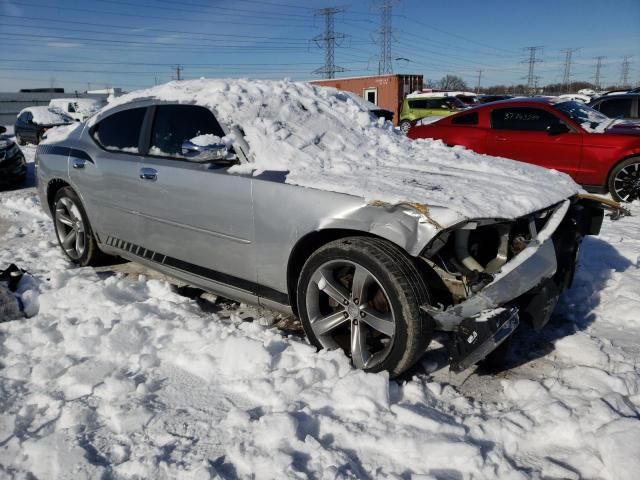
325,140
625,127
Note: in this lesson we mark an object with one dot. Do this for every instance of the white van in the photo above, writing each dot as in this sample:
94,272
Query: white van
77,108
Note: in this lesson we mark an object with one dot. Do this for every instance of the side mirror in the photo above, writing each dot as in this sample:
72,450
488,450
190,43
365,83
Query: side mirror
2,129
204,153
557,128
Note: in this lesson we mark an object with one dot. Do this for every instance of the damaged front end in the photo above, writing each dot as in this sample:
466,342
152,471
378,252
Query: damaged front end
494,273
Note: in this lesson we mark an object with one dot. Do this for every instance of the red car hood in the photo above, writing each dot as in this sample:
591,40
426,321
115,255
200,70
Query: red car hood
626,127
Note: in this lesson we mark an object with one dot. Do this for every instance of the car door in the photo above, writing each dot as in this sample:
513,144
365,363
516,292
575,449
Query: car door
197,214
107,175
522,133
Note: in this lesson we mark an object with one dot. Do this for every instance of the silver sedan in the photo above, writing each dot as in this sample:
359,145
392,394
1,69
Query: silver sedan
151,180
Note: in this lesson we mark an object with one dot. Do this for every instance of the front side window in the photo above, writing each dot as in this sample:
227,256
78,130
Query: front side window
174,125
522,118
616,107
120,132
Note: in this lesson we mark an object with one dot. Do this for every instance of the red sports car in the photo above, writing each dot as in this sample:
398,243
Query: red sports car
600,153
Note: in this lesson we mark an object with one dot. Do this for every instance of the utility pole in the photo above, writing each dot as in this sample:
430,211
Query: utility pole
566,77
534,57
179,70
624,72
479,80
328,40
385,35
598,76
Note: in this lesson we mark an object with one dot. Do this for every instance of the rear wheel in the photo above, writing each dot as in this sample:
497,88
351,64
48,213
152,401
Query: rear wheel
624,181
363,295
73,230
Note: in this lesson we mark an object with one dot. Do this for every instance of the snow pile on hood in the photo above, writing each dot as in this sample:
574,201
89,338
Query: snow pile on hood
325,140
46,116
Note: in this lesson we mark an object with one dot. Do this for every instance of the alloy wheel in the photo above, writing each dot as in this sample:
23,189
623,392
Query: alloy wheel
348,308
70,228
627,182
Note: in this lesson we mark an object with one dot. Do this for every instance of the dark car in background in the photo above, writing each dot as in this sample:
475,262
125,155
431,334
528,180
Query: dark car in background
13,169
493,98
623,105
33,122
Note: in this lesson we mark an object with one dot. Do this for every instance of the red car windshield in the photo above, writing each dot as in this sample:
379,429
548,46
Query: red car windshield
588,118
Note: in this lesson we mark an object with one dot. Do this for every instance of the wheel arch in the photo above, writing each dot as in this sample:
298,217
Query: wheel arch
53,187
615,165
309,243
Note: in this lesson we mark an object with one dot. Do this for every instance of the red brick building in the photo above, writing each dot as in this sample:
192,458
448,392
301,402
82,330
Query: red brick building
386,91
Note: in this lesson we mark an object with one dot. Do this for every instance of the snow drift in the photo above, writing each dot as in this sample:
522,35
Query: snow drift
326,140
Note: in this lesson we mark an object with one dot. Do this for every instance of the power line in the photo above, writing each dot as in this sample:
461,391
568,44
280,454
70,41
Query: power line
598,77
534,57
568,62
385,35
328,41
479,80
624,72
178,69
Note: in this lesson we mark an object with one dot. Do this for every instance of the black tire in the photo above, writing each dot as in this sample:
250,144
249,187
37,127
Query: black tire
90,254
402,284
624,180
405,125
20,140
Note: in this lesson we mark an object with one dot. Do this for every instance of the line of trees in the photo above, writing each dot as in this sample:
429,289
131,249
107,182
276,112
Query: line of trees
453,82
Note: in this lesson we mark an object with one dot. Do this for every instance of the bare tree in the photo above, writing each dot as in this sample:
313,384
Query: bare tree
452,82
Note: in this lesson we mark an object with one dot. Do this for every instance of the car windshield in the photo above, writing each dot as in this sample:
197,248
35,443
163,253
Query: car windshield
588,118
455,102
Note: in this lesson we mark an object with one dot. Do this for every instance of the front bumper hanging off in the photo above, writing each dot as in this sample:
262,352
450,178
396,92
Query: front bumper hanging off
535,277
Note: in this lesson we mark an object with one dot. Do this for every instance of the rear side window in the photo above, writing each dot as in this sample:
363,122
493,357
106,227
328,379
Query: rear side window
466,119
120,132
175,124
616,107
523,118
417,104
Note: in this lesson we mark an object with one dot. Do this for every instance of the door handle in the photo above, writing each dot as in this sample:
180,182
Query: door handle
148,174
79,163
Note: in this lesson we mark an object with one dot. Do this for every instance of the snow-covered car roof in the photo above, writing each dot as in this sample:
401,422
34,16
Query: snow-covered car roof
46,116
84,105
325,141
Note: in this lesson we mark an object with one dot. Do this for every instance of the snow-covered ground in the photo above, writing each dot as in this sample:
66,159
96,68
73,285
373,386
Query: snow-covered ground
117,376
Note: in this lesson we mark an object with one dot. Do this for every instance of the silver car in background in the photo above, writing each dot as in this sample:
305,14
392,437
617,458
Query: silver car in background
149,180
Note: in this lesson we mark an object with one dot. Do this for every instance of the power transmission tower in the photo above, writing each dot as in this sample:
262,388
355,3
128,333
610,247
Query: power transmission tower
479,80
598,76
534,57
179,70
385,36
624,72
328,40
568,62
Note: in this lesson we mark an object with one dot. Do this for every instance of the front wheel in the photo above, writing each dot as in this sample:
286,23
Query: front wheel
624,181
363,295
405,126
73,229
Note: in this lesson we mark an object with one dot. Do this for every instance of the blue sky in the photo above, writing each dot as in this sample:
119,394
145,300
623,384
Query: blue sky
134,43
